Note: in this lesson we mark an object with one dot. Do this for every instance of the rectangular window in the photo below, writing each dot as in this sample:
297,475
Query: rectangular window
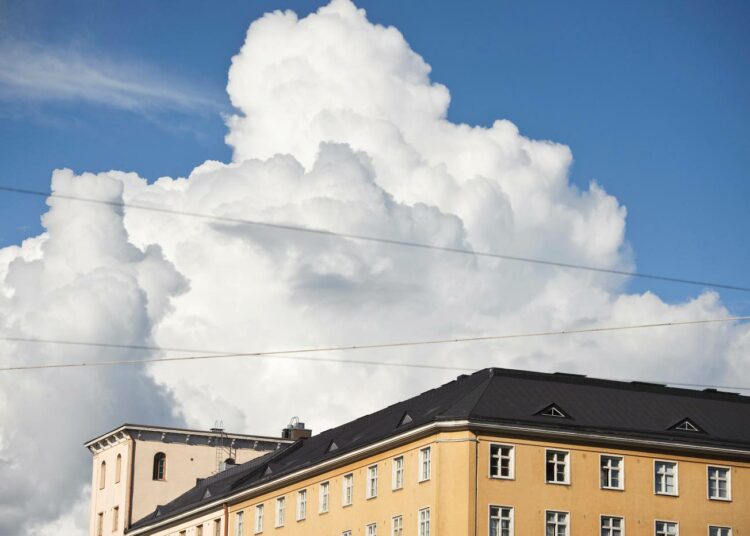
217,527
280,511
558,470
100,524
719,483
667,528
115,517
183,533
259,511
665,478
347,491
239,523
398,473
612,526
425,463
611,472
501,461
372,481
199,530
372,530
501,521
557,524
323,499
719,531
397,526
346,533
424,522
301,505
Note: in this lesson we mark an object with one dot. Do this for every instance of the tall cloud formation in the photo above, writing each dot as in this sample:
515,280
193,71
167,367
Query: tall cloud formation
338,126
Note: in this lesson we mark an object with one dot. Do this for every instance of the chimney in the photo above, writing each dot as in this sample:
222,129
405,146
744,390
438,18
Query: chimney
295,430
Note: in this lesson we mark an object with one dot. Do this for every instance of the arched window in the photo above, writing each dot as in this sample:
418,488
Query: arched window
118,467
160,466
102,475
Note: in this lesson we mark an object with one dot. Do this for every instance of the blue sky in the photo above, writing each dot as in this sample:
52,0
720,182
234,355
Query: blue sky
650,96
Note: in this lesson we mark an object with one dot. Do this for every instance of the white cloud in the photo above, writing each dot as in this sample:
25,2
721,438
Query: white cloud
32,72
338,127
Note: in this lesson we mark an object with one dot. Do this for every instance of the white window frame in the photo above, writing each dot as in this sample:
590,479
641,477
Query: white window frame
397,477
612,516
512,519
675,523
239,523
400,520
676,480
567,519
280,511
347,489
371,491
621,469
259,517
371,529
511,462
302,505
720,527
425,463
728,498
566,482
324,497
420,521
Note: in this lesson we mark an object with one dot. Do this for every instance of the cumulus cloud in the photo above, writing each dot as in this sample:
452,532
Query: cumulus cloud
338,126
34,72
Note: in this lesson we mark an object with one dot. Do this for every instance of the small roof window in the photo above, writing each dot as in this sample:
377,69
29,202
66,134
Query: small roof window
553,410
405,419
686,425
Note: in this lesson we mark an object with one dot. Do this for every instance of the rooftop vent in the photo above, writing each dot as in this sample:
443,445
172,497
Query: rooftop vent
295,430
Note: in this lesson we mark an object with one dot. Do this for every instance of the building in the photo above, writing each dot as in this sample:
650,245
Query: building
501,453
135,468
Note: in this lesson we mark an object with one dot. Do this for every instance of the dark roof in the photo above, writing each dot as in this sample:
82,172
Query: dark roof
503,396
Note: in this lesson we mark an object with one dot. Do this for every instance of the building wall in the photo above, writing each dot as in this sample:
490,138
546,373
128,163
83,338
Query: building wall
114,494
586,501
185,464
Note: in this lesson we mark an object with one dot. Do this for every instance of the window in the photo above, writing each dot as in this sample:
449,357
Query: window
259,511
239,523
301,505
501,521
346,533
612,526
372,481
102,475
425,463
183,533
217,527
665,478
501,461
557,524
280,511
719,531
611,472
424,522
372,530
118,468
558,471
397,526
719,483
398,473
324,494
100,524
199,530
667,528
348,489
115,518
160,466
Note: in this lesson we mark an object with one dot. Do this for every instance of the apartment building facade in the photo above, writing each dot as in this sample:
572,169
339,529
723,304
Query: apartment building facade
498,453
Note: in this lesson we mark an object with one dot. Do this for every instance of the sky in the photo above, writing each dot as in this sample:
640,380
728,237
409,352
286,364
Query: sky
590,133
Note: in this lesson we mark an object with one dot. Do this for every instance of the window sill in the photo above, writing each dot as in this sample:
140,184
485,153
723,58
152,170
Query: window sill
607,488
664,494
493,477
557,483
720,499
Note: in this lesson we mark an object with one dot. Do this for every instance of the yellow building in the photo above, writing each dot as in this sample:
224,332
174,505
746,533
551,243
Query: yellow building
501,453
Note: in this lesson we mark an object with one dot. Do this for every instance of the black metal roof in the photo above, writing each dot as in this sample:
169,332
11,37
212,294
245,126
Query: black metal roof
634,410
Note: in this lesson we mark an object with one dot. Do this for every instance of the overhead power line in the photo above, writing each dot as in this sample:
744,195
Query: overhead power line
290,354
366,238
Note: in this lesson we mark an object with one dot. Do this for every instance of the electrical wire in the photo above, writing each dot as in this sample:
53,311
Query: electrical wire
389,241
289,354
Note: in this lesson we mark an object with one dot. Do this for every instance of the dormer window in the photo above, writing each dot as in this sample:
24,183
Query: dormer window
405,419
332,446
686,425
553,410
